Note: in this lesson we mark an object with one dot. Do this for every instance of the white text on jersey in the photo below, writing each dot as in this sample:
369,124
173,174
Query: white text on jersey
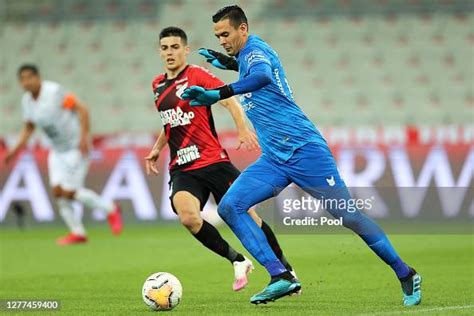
176,117
187,154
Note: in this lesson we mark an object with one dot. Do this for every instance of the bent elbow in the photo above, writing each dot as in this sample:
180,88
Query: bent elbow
264,79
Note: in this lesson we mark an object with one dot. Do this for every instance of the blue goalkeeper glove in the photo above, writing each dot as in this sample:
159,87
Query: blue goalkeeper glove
219,60
201,96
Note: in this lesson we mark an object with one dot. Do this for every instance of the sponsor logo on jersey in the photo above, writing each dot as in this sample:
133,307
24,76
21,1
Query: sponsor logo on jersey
247,106
278,80
245,103
187,154
181,87
176,117
331,181
276,73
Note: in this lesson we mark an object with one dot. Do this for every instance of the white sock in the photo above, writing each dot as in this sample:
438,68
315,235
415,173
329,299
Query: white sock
67,213
92,200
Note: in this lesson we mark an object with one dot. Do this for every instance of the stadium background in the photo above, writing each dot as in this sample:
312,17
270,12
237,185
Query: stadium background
388,82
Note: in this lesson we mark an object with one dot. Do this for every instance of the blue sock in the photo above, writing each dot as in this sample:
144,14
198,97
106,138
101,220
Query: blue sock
401,269
275,267
384,249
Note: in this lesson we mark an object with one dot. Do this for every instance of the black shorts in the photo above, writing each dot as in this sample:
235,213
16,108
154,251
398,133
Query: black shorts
216,179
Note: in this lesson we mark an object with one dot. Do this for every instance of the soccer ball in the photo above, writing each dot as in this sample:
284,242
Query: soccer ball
162,291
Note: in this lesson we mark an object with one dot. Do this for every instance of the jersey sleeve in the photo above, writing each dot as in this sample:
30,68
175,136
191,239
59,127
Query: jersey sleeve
63,99
158,79
69,101
259,76
207,79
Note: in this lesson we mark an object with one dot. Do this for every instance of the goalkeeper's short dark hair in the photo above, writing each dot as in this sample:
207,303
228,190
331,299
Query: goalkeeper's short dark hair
234,13
174,31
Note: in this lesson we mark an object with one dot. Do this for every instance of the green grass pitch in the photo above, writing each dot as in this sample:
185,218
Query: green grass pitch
339,274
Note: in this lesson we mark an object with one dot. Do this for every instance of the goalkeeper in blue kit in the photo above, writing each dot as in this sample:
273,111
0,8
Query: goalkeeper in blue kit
293,150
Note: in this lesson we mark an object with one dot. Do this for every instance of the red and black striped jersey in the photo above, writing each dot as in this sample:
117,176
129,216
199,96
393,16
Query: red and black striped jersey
190,131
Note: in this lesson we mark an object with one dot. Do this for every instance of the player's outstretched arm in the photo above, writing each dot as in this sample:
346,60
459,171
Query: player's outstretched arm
219,60
247,138
259,76
152,157
26,132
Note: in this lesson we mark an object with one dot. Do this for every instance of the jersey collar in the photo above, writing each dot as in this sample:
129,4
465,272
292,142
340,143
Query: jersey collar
249,39
178,76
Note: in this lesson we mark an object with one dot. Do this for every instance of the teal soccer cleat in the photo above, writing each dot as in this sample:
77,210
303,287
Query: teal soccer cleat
275,290
411,287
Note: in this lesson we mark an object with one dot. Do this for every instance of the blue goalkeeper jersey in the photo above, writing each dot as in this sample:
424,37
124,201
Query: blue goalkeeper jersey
281,125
